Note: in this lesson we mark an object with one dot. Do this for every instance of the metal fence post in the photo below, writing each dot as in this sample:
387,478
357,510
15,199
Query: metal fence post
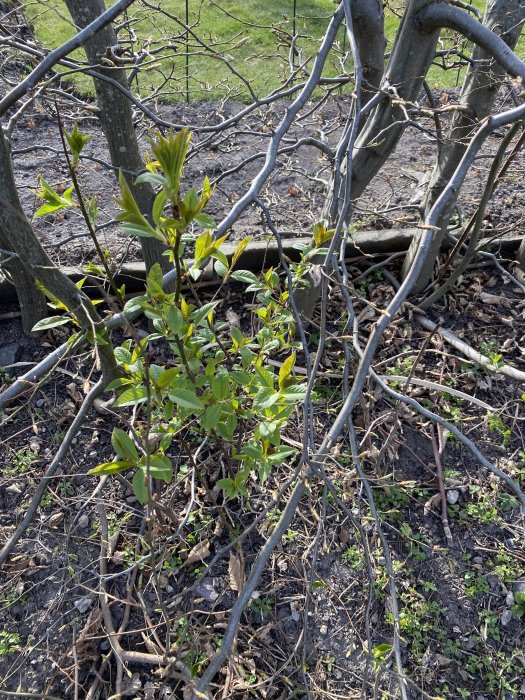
187,52
293,31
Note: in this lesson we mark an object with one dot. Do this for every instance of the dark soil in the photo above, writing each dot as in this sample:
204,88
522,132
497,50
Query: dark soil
295,189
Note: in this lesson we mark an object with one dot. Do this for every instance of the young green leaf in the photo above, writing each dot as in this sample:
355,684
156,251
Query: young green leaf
187,399
265,398
51,322
241,247
52,200
135,223
132,396
161,468
174,319
139,486
107,468
166,377
76,140
246,276
124,445
211,417
286,370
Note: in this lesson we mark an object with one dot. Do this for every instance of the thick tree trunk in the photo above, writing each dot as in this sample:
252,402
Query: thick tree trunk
18,236
480,88
369,28
412,54
31,301
116,115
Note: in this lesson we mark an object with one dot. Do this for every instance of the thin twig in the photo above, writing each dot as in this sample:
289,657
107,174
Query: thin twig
441,485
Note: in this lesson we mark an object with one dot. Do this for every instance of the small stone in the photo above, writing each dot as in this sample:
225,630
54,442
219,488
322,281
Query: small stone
510,543
323,630
206,589
493,581
134,684
83,522
9,354
452,496
14,489
149,690
509,599
478,560
35,445
471,643
55,519
105,645
83,604
519,587
506,617
40,403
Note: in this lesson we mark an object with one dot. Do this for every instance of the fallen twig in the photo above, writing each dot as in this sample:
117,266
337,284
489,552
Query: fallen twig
469,351
439,473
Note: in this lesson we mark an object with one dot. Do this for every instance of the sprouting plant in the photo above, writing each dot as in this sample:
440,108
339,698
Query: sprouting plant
20,461
496,425
218,379
518,609
491,351
354,556
9,643
380,654
262,606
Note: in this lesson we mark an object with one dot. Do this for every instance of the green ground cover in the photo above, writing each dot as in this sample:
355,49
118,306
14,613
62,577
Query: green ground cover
251,36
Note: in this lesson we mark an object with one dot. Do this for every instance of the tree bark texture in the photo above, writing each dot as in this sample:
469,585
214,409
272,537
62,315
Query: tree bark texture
116,115
411,57
478,95
32,303
369,28
17,235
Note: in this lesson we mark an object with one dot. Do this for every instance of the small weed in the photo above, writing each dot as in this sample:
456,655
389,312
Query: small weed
11,597
9,643
490,349
505,567
418,618
355,557
507,502
402,367
416,543
47,501
518,609
490,622
452,647
476,584
390,500
482,510
20,462
262,606
496,425
290,536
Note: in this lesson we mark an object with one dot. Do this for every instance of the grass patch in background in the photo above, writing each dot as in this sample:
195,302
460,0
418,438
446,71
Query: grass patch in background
249,34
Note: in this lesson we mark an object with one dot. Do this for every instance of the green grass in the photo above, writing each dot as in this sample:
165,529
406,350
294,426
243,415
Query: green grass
262,59
259,27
